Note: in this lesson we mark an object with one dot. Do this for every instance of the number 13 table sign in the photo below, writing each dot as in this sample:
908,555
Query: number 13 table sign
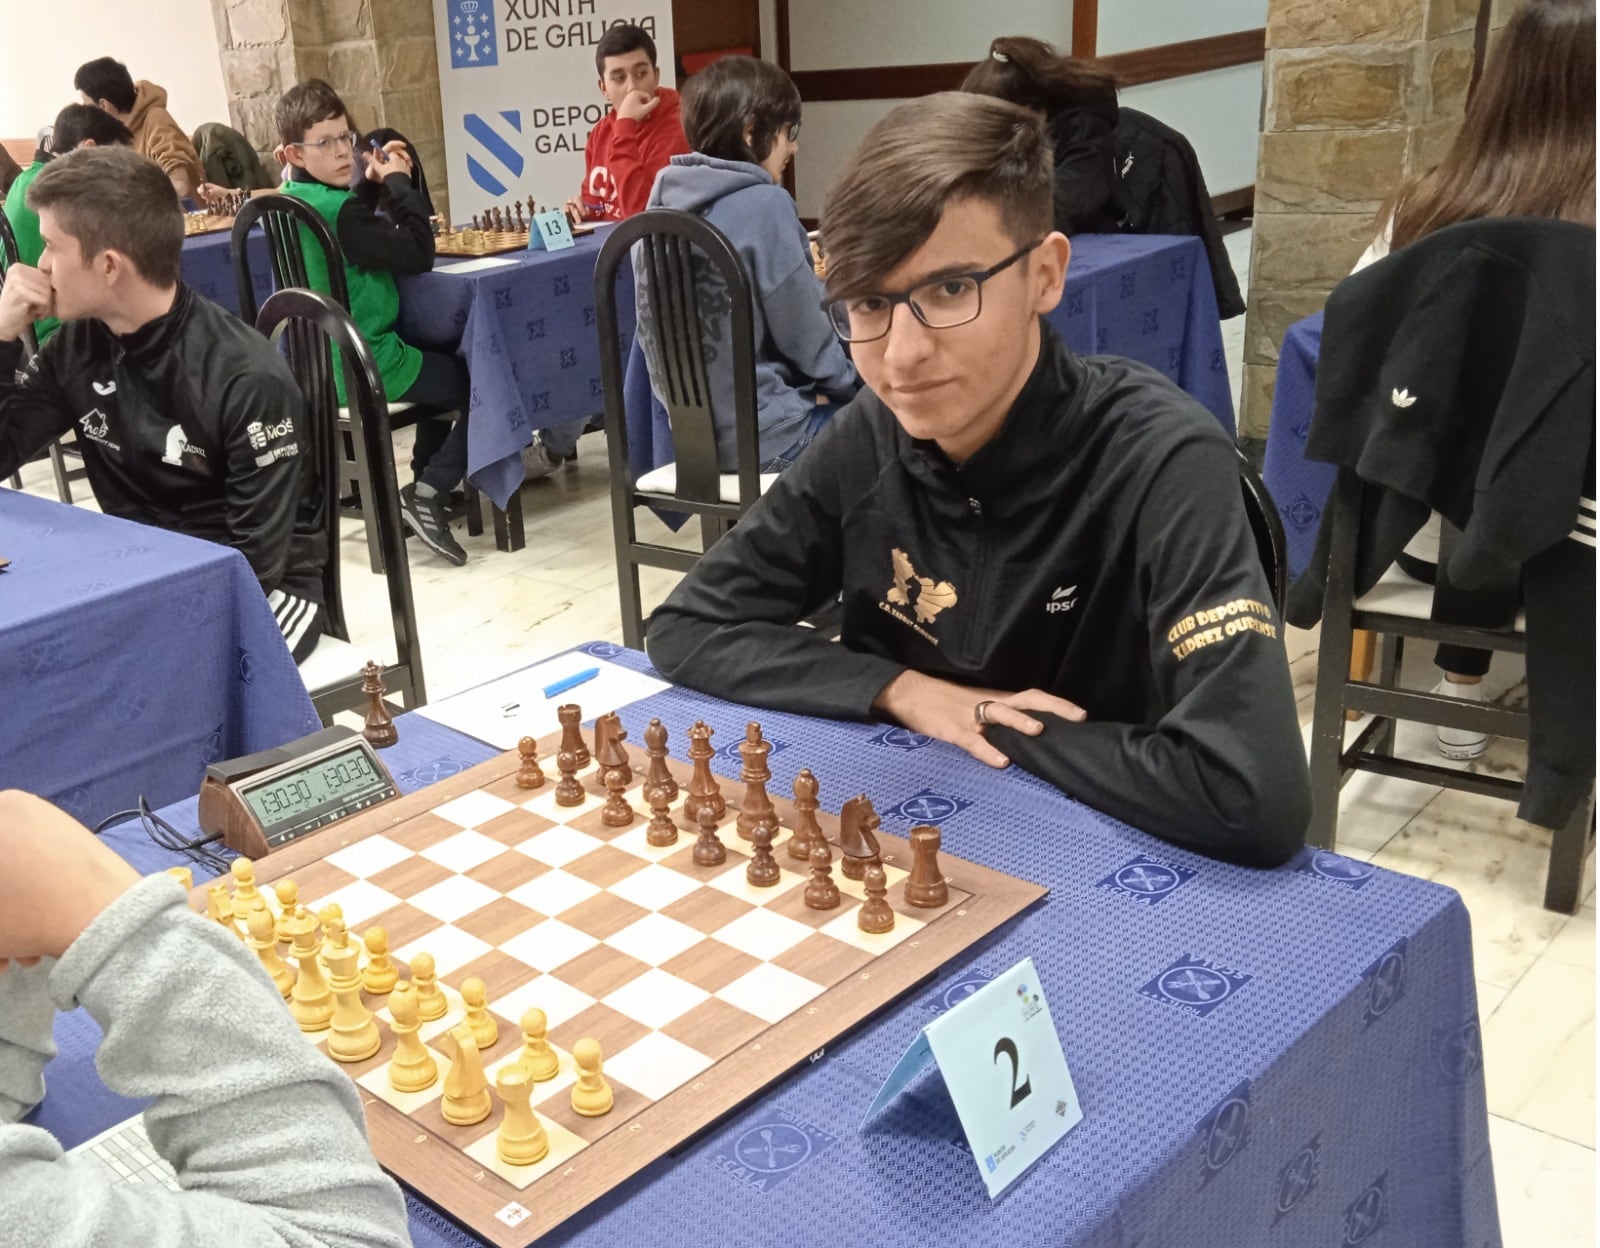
549,231
1002,1062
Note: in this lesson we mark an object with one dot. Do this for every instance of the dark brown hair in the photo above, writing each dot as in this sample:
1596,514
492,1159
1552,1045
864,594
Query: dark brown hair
1030,72
731,93
1526,147
621,40
922,156
106,78
304,105
76,124
113,199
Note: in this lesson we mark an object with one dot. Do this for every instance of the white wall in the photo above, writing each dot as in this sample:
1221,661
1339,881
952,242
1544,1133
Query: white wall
1128,25
850,34
171,42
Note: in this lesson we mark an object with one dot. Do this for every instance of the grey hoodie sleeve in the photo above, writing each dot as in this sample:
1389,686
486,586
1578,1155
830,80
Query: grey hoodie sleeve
26,1015
801,333
265,1133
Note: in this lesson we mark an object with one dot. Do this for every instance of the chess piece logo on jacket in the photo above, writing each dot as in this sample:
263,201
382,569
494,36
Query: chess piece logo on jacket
925,596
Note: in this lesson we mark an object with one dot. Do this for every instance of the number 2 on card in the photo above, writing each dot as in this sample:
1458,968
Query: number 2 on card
1019,1091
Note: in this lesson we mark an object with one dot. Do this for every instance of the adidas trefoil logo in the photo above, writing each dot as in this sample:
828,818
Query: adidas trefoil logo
1402,398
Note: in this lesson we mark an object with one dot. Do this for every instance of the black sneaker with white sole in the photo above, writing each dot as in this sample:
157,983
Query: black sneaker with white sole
426,518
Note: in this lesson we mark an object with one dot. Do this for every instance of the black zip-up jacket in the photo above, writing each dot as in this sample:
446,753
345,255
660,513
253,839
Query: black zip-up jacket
1096,548
192,422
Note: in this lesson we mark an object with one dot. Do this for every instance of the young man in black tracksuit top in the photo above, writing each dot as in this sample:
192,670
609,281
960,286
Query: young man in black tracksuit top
187,418
1043,558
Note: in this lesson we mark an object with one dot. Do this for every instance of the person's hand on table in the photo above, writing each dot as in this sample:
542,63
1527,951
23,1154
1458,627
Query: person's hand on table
206,192
392,159
577,211
637,105
959,713
26,297
60,877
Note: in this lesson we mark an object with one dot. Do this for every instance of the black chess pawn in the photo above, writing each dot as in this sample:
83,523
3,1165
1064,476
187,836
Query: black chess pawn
662,830
875,915
529,774
568,791
708,850
763,871
617,813
821,892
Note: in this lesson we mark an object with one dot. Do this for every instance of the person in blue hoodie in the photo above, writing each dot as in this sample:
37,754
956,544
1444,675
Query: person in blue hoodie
742,118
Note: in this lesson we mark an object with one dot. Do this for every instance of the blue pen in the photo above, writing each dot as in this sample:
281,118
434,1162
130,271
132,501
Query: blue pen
571,682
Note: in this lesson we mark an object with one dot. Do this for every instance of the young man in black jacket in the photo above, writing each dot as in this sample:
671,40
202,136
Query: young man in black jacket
1042,558
187,418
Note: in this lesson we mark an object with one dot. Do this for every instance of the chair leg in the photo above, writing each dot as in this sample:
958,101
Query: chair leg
474,509
1569,847
1391,652
508,534
1361,648
58,465
1327,730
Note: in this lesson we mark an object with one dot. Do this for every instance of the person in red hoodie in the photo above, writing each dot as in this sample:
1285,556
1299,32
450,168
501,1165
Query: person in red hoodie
634,141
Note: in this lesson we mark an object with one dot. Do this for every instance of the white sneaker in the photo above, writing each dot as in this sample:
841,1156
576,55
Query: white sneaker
537,461
1461,744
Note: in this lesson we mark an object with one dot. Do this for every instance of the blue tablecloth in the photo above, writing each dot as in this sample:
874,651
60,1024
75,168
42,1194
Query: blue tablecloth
207,266
1286,1058
130,658
527,332
1299,486
1147,297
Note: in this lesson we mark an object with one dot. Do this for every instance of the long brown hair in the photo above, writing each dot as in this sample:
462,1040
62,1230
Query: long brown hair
1526,146
1030,72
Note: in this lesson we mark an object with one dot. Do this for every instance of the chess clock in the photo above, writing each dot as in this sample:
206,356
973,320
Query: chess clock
261,802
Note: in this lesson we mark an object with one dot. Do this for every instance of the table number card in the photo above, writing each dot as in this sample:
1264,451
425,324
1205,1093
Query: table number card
549,231
1001,1060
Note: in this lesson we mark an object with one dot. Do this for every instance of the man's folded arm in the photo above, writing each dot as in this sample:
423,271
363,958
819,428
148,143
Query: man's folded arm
1223,770
731,627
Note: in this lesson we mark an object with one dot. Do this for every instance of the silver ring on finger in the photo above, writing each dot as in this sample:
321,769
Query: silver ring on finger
981,712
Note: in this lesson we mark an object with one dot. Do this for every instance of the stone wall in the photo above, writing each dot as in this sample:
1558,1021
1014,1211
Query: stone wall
378,54
1359,95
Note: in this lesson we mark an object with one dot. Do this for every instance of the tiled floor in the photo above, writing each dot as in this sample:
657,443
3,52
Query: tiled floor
1535,970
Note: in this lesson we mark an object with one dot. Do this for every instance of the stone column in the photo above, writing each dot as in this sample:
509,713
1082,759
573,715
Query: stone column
378,56
1358,95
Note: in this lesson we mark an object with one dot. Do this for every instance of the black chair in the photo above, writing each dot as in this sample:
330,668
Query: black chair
1267,526
311,326
26,348
668,300
281,218
1399,608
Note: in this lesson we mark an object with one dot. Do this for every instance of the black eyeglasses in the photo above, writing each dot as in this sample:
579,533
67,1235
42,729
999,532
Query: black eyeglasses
333,144
943,303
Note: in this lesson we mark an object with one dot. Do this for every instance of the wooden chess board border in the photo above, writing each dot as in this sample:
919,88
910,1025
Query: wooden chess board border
473,1195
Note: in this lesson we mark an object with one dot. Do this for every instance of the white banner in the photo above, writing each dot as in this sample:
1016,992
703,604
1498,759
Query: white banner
520,92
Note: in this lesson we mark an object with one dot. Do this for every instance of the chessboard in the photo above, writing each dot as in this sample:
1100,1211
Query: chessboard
554,929
205,223
470,242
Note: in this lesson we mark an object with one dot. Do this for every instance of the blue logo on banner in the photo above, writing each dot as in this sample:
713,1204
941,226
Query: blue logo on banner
472,41
1195,985
493,160
1334,868
1225,1131
901,739
1298,1178
1365,1216
766,1154
927,807
1148,880
1386,982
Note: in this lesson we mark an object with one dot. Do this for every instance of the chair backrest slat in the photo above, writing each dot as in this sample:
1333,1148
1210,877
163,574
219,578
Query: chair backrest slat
287,222
311,327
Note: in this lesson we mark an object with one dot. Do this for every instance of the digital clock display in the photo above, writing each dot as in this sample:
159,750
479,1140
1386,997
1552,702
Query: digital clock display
339,780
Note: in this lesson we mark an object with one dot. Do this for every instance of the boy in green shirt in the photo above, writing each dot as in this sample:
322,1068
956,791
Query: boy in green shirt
77,125
320,145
